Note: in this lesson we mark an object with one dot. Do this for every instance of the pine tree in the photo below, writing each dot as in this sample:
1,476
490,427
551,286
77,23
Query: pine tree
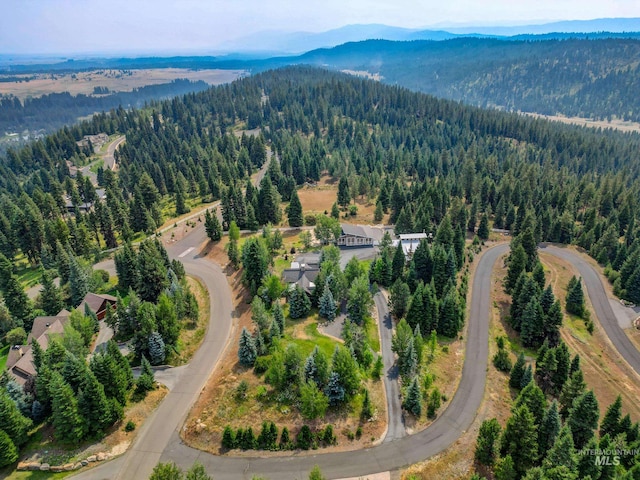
327,304
549,428
517,265
255,263
575,299
486,451
378,214
12,421
587,467
334,390
561,454
69,425
344,197
611,422
6,270
50,295
181,206
157,348
399,295
367,408
520,439
197,472
8,450
228,438
126,267
572,389
93,405
359,300
532,324
295,211
527,377
247,352
278,316
212,226
505,469
533,397
313,403
434,402
413,401
18,303
583,418
152,271
146,380
111,376
78,281
483,229
166,471
299,303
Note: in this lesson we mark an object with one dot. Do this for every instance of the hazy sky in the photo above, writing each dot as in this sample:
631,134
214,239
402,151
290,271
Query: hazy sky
110,26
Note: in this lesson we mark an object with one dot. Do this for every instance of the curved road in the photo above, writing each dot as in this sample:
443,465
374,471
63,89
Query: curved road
159,438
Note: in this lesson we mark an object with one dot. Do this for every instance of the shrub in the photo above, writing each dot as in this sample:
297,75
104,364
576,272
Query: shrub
261,364
310,220
130,426
359,433
241,390
304,438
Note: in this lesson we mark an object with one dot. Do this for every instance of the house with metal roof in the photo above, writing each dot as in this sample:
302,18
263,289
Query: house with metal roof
359,235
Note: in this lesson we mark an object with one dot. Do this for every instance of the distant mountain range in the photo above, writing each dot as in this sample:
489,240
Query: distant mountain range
277,42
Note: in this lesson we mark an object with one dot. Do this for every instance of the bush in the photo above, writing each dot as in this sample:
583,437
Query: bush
241,390
353,210
359,433
262,364
130,426
304,438
310,220
328,437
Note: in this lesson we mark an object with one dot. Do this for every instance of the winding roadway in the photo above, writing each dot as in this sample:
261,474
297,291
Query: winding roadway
159,438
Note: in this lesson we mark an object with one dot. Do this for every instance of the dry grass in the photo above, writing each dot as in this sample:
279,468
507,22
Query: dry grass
320,198
192,335
615,124
114,80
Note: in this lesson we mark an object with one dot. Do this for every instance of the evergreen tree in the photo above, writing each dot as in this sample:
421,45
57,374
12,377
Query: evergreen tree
181,206
533,397
520,439
152,272
367,408
434,402
583,418
313,403
549,428
327,304
78,281
93,405
8,450
167,321
505,469
6,271
166,471
18,303
111,376
532,324
344,197
268,209
50,295
212,226
335,212
126,267
228,438
278,316
334,390
413,401
69,425
247,351
146,380
517,264
483,229
562,453
378,213
12,422
346,367
299,303
575,299
359,300
294,211
611,422
399,295
571,390
197,472
451,315
398,263
486,451
157,348
255,262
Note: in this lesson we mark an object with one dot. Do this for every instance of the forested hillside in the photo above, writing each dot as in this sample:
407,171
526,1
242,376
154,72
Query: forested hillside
594,78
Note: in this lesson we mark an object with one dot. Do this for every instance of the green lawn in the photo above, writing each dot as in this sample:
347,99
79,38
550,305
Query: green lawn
4,353
15,475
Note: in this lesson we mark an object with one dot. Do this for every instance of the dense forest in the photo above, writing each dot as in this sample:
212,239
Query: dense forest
436,165
53,111
574,77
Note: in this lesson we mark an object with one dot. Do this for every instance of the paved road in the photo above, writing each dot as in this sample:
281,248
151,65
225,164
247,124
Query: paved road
159,439
395,418
109,159
600,303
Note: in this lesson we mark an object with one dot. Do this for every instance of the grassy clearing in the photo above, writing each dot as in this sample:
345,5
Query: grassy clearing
192,334
35,475
4,353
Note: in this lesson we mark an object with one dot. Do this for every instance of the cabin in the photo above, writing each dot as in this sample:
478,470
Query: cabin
98,304
359,235
409,243
303,272
20,359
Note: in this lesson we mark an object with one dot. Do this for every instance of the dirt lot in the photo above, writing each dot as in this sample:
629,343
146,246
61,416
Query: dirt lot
114,80
320,198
